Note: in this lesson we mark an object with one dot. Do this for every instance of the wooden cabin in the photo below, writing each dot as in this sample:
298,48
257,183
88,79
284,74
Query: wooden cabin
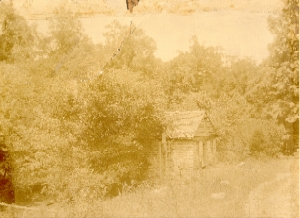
188,143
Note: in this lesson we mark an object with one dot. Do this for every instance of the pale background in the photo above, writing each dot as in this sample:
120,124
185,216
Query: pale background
238,26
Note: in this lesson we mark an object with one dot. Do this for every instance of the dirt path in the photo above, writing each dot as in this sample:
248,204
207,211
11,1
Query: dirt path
277,198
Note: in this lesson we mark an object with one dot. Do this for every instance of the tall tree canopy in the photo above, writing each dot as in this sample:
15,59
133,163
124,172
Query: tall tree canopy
17,38
277,93
129,46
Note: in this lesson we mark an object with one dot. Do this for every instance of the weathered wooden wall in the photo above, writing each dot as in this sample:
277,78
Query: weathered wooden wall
177,156
181,154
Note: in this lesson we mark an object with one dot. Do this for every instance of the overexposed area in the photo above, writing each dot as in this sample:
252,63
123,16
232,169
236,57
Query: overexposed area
241,34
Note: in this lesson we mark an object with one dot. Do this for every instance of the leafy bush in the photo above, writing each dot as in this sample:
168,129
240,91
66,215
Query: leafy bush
257,143
6,191
267,138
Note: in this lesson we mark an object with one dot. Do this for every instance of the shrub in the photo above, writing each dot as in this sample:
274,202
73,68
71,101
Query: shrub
257,143
7,191
267,138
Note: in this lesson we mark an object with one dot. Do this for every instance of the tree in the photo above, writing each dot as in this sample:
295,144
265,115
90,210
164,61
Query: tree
196,67
39,113
238,76
277,94
285,27
61,129
121,120
129,46
17,38
67,53
66,31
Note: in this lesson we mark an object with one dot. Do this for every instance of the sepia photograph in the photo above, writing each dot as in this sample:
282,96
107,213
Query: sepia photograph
149,108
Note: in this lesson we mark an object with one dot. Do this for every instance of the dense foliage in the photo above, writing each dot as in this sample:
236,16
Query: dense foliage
276,95
6,186
81,118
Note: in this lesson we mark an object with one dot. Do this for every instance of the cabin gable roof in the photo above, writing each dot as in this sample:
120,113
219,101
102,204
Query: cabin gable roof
188,124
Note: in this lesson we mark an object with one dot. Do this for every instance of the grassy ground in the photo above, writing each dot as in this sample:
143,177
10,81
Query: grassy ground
193,198
221,191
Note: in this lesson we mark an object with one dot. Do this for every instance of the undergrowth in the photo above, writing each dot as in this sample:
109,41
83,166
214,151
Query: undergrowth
189,196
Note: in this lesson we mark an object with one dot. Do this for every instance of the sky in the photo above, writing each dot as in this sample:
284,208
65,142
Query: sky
240,32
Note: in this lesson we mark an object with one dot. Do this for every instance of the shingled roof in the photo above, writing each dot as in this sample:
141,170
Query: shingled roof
188,124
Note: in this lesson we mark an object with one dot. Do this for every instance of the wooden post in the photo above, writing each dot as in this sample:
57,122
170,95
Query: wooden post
166,156
160,159
163,148
201,154
214,146
209,152
164,141
205,153
214,151
195,156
